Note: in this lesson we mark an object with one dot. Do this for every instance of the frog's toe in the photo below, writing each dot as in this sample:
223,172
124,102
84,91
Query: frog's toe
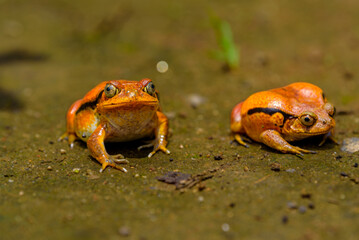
121,161
299,151
114,164
239,139
118,156
63,137
160,148
145,146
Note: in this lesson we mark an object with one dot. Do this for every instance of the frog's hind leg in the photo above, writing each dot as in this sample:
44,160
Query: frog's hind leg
70,133
274,140
236,124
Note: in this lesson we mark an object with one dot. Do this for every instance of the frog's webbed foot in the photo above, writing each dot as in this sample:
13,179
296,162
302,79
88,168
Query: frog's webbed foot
330,136
70,137
239,139
159,148
274,140
115,162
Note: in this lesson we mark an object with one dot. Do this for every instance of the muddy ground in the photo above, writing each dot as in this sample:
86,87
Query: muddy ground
53,52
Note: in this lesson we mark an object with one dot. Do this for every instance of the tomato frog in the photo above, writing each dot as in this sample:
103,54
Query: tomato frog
278,116
117,111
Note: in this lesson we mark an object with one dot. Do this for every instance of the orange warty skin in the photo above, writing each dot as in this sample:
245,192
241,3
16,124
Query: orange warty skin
278,116
117,111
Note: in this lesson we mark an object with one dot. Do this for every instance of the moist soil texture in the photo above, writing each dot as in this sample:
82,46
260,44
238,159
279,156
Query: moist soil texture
53,52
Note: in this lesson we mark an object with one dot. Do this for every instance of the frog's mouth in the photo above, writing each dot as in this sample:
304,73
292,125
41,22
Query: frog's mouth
130,105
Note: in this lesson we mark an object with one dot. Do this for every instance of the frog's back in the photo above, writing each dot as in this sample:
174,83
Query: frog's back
289,99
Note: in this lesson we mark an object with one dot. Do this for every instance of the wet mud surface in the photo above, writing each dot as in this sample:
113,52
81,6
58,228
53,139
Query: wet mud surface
53,52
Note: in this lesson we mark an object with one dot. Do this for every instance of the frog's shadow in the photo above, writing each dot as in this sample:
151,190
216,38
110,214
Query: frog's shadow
127,149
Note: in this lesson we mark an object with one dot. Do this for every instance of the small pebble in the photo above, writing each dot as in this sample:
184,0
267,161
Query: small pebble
21,193
311,206
195,100
49,168
246,169
306,195
302,209
62,151
343,174
355,165
11,181
285,219
218,157
232,205
76,170
290,170
200,199
225,227
124,231
350,145
292,205
171,159
181,146
275,167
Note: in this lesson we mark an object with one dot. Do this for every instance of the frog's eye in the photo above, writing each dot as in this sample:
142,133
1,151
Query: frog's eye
110,90
150,89
308,119
330,109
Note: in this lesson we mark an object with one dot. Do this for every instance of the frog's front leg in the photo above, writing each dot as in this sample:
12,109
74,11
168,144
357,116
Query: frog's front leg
70,133
274,140
97,149
329,135
161,135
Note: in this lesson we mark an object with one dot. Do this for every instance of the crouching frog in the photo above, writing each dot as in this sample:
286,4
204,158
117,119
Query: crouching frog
117,111
278,116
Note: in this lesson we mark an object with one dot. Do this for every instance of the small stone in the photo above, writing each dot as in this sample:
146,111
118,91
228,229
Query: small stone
343,174
62,151
350,145
356,165
76,170
311,206
225,227
306,195
195,100
124,231
232,205
21,193
11,180
218,157
171,159
275,167
245,168
285,219
290,170
292,205
181,146
49,168
200,199
302,209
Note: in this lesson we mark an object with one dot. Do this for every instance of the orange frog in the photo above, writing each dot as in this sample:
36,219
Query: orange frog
117,111
278,116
